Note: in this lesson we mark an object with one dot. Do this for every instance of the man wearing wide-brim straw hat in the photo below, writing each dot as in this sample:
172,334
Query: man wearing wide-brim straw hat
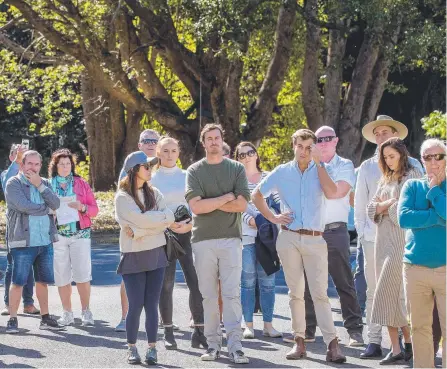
368,176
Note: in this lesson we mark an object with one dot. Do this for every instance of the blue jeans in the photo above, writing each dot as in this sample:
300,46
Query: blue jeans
28,288
40,258
359,277
252,270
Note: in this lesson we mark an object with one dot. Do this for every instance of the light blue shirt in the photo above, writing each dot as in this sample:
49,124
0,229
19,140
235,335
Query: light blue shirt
300,193
39,226
12,171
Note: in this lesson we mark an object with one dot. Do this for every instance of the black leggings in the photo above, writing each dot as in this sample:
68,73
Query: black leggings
195,297
143,290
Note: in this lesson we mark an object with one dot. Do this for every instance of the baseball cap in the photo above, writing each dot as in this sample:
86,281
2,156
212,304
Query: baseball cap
138,158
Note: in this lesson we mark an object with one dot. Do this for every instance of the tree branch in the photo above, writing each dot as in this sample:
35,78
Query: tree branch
310,92
31,55
261,114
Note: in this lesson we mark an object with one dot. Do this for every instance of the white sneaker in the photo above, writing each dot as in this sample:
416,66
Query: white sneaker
210,355
87,318
271,332
249,333
238,357
66,319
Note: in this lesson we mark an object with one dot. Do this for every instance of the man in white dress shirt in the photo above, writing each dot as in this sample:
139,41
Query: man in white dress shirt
337,238
368,177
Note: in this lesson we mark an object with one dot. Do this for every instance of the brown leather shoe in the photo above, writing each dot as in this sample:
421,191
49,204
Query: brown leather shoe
334,353
298,351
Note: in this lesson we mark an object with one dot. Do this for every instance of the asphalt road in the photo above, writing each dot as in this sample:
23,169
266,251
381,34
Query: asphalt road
100,346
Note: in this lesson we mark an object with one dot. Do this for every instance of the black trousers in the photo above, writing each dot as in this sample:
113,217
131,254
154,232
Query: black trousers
340,270
195,297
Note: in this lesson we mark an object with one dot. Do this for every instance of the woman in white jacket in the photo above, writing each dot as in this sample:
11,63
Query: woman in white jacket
143,217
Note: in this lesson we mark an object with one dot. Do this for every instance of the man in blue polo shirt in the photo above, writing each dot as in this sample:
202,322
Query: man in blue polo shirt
303,185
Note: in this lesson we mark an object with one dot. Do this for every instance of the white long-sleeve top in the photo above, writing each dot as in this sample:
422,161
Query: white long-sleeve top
368,177
171,182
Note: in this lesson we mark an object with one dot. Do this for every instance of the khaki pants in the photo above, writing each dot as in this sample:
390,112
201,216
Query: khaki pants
214,260
299,253
422,284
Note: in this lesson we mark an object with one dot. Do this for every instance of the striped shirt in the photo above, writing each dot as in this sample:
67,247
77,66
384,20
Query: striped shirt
249,233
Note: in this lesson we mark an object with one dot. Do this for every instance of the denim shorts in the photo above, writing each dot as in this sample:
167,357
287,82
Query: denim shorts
40,258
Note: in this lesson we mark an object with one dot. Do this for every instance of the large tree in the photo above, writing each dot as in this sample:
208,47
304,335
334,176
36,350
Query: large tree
185,63
344,78
119,44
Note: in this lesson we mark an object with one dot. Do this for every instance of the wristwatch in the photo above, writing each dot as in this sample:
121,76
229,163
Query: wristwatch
321,164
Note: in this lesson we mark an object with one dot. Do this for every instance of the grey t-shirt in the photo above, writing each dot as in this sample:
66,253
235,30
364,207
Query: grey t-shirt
210,181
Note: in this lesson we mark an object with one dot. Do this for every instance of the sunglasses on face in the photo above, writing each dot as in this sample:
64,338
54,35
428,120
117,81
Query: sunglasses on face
146,166
437,157
150,141
325,139
243,155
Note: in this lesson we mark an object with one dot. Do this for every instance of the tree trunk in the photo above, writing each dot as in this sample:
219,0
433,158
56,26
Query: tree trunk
99,114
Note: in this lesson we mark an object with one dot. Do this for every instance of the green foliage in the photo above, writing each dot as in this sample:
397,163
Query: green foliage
435,124
83,168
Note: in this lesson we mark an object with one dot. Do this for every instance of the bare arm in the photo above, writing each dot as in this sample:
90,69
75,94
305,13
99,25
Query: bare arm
205,206
351,198
236,206
327,184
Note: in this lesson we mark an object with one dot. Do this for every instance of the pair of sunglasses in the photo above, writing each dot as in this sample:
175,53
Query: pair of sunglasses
150,141
147,166
243,155
325,139
437,157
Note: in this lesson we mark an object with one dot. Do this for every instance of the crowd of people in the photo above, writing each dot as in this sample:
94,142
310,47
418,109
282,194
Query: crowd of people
236,225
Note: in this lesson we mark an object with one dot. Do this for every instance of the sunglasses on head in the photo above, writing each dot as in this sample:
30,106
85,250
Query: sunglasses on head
243,155
438,157
150,141
325,139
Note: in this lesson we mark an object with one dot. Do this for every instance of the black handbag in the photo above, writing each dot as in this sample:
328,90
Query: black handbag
173,248
182,213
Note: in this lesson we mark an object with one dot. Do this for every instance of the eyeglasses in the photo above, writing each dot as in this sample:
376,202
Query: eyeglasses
437,157
150,141
243,155
325,139
146,166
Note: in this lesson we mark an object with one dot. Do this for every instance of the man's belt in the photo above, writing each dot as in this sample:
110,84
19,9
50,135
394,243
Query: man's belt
334,225
303,231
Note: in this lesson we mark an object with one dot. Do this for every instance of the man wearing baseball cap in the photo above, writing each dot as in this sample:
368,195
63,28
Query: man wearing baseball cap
368,176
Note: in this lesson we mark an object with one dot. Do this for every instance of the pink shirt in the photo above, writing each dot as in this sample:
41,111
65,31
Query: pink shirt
84,194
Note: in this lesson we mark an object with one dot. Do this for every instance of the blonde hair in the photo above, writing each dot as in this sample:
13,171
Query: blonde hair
161,142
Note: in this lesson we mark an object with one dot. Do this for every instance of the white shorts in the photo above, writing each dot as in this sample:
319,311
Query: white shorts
72,260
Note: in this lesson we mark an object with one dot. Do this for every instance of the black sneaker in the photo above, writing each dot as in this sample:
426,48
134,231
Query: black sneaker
50,324
12,326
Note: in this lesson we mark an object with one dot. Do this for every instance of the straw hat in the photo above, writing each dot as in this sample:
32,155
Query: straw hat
384,120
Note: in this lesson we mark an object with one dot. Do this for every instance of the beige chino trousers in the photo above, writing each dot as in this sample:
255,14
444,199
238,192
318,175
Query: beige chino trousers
299,254
422,284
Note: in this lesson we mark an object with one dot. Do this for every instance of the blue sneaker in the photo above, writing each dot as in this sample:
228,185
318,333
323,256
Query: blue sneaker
151,356
121,327
12,326
132,355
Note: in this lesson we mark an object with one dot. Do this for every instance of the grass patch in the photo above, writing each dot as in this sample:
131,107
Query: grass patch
105,228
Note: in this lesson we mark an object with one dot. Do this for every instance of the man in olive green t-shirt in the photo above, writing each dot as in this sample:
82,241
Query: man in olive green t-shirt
217,192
